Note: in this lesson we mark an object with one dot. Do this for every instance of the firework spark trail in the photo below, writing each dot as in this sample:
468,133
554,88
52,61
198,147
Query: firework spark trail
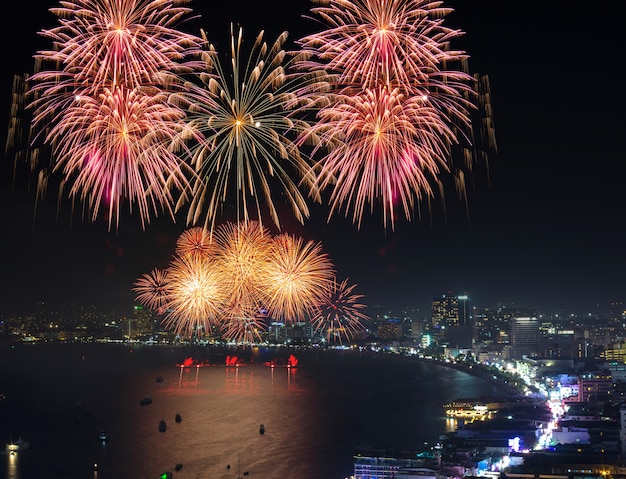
298,277
243,323
247,117
341,315
393,108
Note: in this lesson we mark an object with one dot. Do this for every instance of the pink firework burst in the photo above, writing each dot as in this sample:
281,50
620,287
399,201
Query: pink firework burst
105,43
393,106
116,147
382,147
99,99
369,43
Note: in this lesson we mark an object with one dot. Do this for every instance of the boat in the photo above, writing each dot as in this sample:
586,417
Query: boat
19,445
159,379
261,429
178,467
162,426
146,400
103,436
178,418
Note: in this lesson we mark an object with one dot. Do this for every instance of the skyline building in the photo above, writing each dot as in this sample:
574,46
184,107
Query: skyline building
524,337
451,318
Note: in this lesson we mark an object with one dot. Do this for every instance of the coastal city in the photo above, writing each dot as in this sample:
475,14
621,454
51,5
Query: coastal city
563,415
215,216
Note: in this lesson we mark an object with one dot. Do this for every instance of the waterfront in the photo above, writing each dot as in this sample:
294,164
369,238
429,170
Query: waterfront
60,396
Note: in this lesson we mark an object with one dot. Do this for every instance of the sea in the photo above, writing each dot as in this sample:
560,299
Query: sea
60,397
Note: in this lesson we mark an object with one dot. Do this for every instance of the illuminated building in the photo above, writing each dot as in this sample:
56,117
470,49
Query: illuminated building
385,467
452,318
593,387
616,353
524,337
445,310
390,329
469,409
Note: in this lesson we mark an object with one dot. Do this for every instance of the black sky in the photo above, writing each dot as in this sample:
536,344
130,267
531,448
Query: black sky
546,231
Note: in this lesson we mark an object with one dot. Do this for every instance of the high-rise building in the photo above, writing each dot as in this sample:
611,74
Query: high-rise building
524,337
452,319
445,310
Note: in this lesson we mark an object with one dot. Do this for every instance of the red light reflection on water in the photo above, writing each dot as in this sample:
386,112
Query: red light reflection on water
292,362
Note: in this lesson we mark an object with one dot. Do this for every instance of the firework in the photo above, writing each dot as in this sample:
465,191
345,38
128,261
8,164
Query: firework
245,118
393,107
106,43
116,147
151,290
99,99
195,241
194,295
234,285
243,323
370,43
340,316
382,147
297,278
242,258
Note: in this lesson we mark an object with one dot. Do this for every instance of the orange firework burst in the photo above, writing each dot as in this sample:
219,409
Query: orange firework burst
340,316
195,241
194,295
297,278
241,281
242,258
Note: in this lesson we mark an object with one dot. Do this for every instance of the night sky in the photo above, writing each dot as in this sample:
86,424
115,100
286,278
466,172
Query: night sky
545,227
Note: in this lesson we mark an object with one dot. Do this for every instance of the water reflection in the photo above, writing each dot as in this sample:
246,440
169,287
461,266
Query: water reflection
187,376
12,469
451,424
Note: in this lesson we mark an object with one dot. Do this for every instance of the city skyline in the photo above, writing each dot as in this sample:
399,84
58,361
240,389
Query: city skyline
543,229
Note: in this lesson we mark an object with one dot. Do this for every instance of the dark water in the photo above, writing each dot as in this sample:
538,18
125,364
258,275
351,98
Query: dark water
59,397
